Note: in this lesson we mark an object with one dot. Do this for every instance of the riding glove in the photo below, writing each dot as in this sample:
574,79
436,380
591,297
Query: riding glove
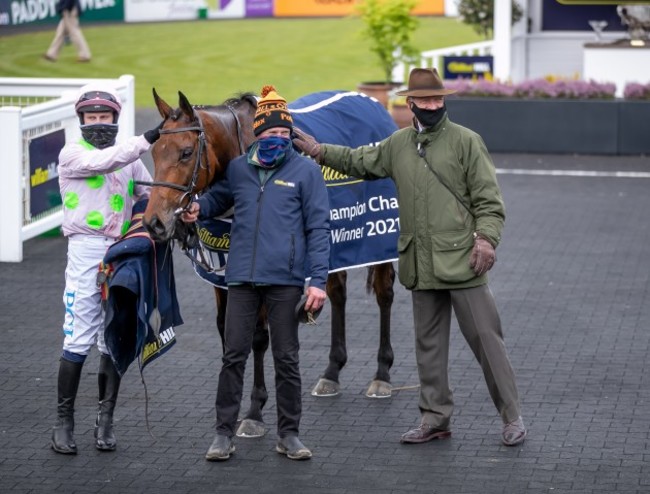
483,256
154,134
306,143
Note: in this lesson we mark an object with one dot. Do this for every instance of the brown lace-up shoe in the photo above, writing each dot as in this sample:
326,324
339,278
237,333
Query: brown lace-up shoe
514,433
423,433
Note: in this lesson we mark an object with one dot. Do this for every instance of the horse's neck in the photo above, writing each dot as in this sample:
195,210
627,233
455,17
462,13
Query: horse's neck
224,131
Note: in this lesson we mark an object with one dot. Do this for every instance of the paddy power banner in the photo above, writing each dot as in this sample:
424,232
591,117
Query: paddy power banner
334,8
24,13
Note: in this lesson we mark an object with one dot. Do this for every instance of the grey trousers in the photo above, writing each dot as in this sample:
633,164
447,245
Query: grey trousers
479,323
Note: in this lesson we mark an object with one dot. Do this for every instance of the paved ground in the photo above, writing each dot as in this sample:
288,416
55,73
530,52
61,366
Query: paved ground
572,286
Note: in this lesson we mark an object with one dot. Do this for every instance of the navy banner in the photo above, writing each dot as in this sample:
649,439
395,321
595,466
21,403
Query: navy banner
44,193
363,214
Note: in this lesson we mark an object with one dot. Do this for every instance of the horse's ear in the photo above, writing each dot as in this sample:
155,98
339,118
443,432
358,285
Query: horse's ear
185,105
164,109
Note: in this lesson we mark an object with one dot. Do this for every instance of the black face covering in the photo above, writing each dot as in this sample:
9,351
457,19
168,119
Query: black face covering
428,118
100,135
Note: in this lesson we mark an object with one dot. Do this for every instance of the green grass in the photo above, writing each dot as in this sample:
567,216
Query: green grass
210,61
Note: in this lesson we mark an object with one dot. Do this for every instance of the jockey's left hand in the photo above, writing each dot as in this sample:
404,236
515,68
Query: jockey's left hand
191,214
315,299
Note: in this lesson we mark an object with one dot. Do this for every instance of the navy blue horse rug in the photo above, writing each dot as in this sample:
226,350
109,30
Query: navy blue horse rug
139,296
363,214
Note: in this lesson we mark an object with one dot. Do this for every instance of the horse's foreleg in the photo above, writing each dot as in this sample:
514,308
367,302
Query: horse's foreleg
328,384
382,284
252,425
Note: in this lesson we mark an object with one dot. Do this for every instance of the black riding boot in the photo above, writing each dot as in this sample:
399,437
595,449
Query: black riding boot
68,384
109,384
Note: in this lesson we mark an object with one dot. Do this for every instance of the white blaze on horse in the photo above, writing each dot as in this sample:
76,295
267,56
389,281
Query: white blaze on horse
195,146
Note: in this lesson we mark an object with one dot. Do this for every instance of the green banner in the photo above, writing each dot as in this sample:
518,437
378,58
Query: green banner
26,13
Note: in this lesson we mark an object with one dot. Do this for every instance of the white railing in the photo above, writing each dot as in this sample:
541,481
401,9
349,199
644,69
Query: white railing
31,108
433,58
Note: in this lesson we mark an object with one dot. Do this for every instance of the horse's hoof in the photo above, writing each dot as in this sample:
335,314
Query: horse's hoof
325,387
379,389
251,428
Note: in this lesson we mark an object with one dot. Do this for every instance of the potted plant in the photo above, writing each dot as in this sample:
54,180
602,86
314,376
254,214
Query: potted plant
388,25
480,15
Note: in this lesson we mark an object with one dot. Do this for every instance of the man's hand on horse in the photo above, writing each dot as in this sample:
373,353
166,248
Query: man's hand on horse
191,214
315,299
306,143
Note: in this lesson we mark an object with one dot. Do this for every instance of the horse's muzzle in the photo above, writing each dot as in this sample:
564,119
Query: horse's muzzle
157,229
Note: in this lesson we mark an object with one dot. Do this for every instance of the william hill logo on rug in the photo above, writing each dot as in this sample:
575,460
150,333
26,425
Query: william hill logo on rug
214,242
335,178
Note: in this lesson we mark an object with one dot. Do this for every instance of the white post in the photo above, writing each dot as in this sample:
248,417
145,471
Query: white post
451,8
11,185
502,39
127,117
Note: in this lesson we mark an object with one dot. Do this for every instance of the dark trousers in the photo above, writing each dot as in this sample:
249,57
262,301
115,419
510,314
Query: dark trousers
480,325
244,302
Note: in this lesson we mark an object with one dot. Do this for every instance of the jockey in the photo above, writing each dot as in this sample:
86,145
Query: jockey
97,179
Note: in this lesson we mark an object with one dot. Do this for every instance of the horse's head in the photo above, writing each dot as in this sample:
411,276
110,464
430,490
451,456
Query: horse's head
182,167
195,146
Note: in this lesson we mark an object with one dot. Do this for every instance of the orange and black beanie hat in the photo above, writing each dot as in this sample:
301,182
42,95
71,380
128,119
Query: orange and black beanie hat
272,111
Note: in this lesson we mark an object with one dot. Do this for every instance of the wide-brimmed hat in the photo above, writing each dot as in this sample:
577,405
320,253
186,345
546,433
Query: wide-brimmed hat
423,83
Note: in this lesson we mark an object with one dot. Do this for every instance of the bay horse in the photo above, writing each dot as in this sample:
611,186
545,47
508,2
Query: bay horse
195,146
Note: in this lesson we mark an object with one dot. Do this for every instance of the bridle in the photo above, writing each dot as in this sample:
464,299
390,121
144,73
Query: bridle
188,189
192,240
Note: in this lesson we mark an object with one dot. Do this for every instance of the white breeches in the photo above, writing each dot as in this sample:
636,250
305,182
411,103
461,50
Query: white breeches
84,318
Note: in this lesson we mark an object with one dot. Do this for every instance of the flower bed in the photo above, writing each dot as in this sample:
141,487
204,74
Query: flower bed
554,116
538,88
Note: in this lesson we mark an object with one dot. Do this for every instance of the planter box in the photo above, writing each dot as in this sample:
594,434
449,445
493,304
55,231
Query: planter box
556,126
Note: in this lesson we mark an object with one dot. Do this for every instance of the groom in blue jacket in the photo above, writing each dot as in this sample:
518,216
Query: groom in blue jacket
279,238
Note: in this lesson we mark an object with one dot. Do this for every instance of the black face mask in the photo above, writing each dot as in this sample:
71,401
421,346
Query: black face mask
428,118
100,135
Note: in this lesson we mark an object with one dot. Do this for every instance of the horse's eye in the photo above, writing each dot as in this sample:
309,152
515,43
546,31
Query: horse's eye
186,153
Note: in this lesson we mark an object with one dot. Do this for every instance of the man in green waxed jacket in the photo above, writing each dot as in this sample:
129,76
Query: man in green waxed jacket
451,215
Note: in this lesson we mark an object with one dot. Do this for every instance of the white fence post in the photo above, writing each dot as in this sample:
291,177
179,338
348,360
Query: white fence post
502,39
11,185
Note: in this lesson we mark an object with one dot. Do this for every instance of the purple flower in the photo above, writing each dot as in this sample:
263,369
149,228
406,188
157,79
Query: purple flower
538,88
636,91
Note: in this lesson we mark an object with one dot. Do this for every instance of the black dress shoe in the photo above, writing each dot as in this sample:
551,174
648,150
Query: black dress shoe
220,449
293,448
423,433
